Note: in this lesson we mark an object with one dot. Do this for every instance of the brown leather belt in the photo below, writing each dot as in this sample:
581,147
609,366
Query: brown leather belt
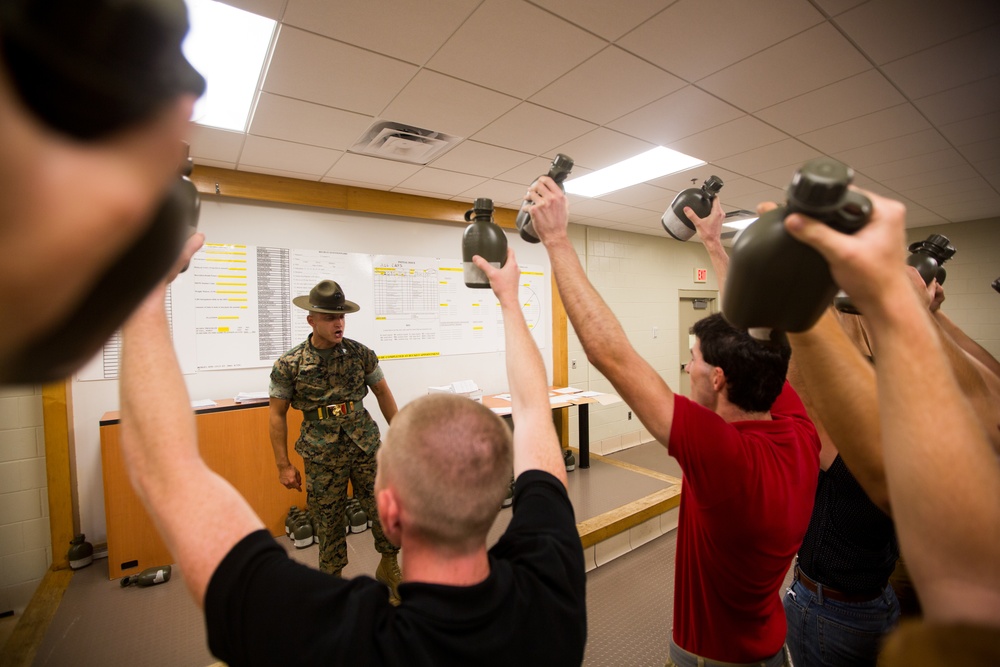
831,593
327,411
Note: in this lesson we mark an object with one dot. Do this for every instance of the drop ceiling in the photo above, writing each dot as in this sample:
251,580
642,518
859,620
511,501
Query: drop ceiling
907,92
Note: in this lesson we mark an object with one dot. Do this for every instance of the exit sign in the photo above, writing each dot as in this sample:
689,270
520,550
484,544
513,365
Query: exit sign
701,275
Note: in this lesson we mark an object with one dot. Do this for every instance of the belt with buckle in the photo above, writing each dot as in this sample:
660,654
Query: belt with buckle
831,593
327,411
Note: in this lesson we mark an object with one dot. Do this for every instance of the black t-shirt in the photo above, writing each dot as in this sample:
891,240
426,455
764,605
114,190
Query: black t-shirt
263,608
850,545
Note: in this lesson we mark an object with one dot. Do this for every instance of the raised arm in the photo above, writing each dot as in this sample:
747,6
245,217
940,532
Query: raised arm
839,387
536,445
603,338
710,232
160,448
944,481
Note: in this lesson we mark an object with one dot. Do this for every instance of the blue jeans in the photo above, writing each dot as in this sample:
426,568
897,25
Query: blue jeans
828,633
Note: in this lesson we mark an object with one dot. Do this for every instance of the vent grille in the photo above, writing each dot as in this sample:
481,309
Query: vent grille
403,143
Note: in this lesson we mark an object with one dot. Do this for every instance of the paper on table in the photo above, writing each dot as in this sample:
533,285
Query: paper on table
251,396
567,390
502,397
590,394
608,399
501,411
556,400
203,403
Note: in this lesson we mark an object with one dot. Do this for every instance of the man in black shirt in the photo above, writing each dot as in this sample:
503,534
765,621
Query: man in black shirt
443,473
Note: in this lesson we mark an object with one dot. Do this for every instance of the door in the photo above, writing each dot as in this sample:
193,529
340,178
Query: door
693,306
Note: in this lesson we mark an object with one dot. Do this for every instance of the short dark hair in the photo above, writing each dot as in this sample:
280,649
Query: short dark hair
755,369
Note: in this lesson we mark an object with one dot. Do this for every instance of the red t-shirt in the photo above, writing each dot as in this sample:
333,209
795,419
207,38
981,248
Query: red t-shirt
748,493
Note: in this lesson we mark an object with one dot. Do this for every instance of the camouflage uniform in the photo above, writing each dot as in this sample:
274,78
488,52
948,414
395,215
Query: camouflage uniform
335,448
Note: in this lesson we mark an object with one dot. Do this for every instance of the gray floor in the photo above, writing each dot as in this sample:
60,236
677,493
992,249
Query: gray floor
630,600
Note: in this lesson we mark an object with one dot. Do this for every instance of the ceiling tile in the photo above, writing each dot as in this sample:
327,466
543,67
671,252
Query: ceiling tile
737,186
268,8
607,86
730,138
973,130
378,171
855,96
921,217
836,7
593,208
360,80
949,65
916,164
287,156
638,195
440,181
411,30
694,38
602,147
678,115
610,20
214,144
480,159
508,45
692,177
771,193
502,193
759,160
897,148
303,122
779,177
529,171
631,215
916,24
981,151
810,60
444,104
967,101
886,124
532,129
908,184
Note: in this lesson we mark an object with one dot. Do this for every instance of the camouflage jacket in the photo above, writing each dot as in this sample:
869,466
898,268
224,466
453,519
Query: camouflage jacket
303,377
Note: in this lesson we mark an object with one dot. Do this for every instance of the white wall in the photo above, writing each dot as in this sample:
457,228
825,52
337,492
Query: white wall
640,277
970,302
251,223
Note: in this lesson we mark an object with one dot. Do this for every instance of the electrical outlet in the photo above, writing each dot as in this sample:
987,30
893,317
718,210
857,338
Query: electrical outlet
656,332
630,415
573,364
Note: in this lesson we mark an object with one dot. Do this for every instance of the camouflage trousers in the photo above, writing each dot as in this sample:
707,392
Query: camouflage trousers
326,487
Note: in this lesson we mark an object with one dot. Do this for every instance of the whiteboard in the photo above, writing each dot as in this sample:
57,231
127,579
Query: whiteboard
312,231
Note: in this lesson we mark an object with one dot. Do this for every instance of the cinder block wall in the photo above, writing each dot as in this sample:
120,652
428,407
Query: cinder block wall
25,549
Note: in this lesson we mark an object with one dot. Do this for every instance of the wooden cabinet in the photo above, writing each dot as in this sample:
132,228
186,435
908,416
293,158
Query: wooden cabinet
234,442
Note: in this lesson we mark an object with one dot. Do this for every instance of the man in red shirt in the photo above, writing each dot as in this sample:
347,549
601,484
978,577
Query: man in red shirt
749,453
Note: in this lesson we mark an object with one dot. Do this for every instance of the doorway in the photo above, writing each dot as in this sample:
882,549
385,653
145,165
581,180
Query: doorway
693,305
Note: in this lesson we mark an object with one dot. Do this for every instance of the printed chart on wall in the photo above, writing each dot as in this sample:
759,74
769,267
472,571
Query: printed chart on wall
423,308
180,316
233,308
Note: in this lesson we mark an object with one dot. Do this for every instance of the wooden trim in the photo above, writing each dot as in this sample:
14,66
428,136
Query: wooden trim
58,470
620,519
601,527
23,643
279,189
560,358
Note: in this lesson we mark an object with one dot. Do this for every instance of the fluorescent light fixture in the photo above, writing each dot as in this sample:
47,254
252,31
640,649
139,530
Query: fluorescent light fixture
228,46
644,167
740,223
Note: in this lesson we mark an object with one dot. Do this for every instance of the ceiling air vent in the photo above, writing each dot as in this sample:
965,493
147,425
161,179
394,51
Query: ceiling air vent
405,143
